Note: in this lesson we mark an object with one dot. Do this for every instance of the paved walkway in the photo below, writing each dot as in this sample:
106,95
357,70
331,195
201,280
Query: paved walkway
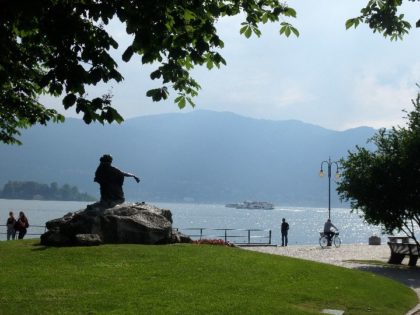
343,255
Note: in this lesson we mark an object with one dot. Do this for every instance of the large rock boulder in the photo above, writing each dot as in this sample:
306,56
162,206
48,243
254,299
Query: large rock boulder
125,223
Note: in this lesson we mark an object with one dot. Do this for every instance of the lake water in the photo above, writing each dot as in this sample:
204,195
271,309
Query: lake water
305,223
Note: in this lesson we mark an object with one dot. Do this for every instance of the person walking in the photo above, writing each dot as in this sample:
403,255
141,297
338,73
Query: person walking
21,225
284,231
11,221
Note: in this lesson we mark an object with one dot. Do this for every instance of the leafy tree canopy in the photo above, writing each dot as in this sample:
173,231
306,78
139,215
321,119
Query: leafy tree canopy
383,16
385,184
61,47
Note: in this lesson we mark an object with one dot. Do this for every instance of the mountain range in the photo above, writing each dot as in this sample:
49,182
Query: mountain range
201,156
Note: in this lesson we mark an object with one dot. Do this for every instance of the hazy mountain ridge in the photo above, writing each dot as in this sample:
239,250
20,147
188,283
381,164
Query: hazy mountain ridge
202,156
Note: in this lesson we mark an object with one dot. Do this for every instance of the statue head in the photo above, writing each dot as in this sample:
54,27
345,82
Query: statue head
106,158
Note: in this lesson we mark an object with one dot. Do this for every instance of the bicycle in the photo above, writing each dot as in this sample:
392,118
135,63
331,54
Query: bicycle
323,239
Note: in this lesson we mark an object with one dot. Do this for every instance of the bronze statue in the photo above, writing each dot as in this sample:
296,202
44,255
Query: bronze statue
111,180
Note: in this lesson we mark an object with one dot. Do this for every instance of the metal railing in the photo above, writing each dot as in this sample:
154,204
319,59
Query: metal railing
244,237
34,230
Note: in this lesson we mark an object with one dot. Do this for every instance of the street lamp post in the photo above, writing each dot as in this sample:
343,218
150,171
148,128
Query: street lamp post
329,163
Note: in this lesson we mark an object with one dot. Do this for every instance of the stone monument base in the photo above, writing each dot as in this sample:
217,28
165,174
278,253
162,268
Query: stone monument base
137,223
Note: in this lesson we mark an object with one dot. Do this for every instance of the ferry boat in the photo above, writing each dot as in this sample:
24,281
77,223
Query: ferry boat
264,205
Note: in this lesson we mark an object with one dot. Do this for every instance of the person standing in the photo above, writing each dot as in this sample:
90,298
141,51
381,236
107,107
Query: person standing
284,231
21,225
11,221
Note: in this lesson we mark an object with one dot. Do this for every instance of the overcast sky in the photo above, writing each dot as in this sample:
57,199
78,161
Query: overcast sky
328,76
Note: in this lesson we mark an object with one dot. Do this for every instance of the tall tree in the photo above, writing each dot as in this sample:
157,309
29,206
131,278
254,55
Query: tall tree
384,185
61,47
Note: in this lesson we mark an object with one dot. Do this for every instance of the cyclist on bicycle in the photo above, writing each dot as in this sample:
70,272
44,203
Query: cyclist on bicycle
329,230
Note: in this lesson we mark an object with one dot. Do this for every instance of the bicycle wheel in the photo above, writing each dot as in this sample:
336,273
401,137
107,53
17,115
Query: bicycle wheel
323,241
337,241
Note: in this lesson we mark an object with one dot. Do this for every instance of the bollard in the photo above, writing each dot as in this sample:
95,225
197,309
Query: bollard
374,240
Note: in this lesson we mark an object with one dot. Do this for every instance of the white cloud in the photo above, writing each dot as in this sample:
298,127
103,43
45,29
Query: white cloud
381,104
328,76
294,95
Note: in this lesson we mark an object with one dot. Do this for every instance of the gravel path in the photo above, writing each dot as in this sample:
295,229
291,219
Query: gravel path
331,255
343,255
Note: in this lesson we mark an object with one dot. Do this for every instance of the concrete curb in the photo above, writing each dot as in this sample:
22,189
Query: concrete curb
414,311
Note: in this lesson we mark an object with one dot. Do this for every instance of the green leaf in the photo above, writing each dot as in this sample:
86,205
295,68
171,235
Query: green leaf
380,4
287,29
153,94
243,29
282,29
189,15
55,88
349,23
181,102
248,32
210,64
352,22
264,18
158,94
190,102
295,31
290,12
58,118
69,100
256,31
112,115
156,74
128,53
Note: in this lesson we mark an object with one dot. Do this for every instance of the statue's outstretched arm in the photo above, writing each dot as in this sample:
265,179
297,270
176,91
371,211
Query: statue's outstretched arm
132,175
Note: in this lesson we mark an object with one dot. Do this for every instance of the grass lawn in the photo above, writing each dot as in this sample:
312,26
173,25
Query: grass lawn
184,279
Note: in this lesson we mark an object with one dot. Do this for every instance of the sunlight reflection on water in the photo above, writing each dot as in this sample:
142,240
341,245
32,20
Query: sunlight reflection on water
305,222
